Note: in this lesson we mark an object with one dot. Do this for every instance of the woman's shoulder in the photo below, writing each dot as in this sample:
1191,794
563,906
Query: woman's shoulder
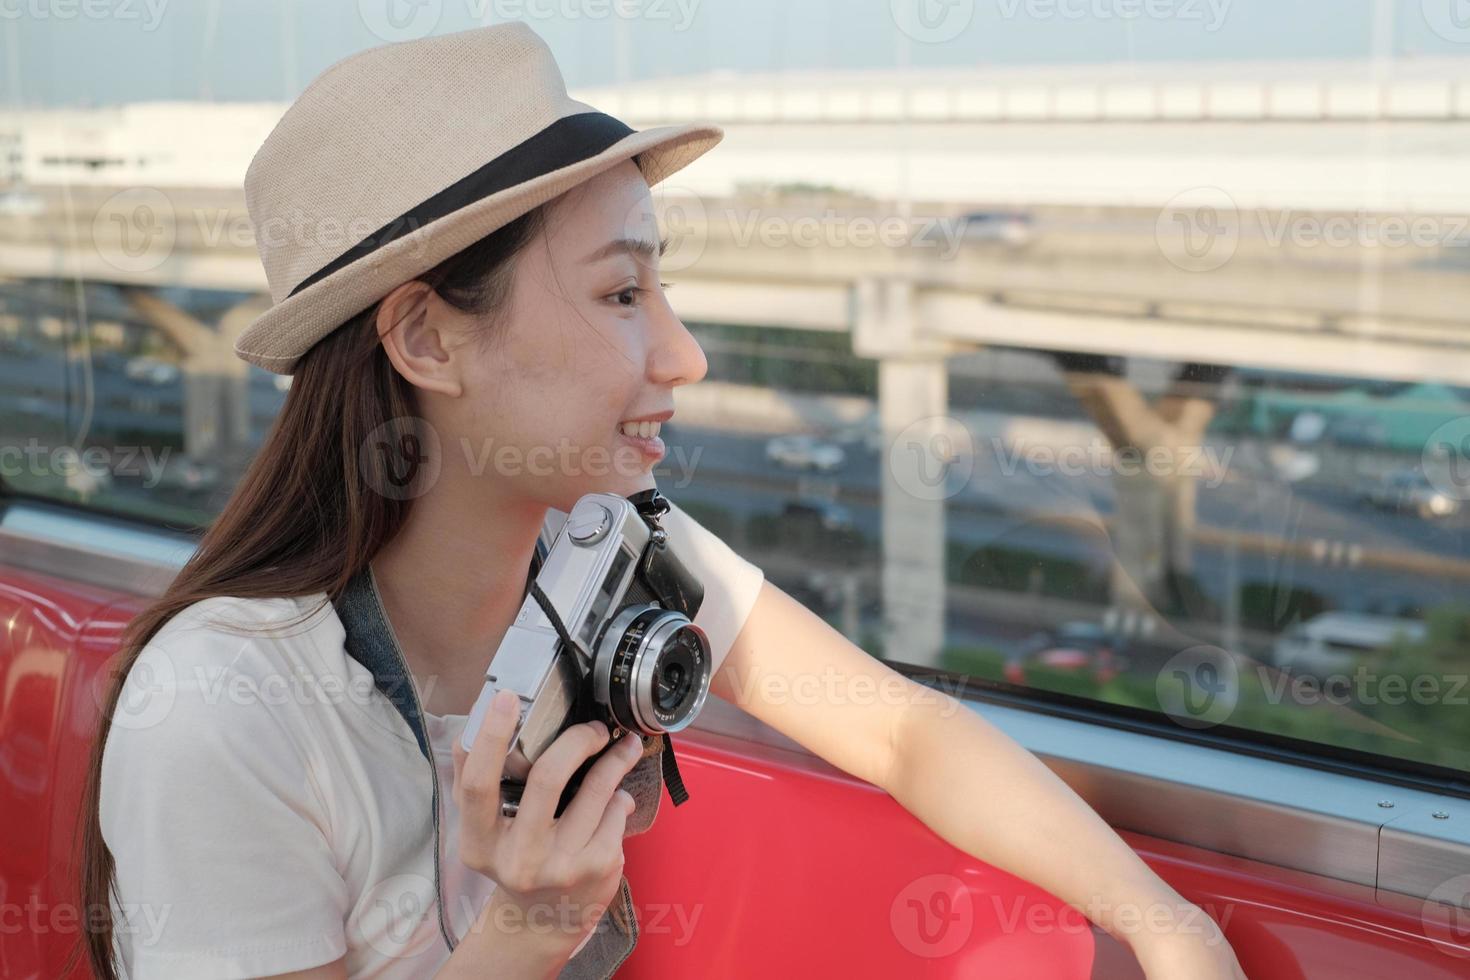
258,637
224,676
214,720
228,611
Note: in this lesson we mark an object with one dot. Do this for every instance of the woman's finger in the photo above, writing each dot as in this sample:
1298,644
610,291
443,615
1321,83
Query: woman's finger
478,777
459,757
552,770
580,819
607,840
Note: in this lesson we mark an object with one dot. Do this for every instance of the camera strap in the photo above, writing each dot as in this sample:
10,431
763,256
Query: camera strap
669,763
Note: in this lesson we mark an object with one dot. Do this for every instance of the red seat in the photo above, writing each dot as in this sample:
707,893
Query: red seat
782,865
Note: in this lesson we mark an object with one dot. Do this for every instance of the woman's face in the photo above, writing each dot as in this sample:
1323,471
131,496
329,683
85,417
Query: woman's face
587,342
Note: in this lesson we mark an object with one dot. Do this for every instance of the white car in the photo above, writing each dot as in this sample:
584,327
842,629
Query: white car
801,451
1334,642
825,513
1410,491
866,434
21,204
1006,227
152,371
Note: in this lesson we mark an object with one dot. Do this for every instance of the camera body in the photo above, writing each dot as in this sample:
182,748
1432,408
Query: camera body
605,633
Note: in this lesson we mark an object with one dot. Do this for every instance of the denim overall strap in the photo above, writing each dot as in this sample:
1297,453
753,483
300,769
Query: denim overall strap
370,641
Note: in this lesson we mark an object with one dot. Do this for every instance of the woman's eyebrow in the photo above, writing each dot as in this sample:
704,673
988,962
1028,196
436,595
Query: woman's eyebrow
637,247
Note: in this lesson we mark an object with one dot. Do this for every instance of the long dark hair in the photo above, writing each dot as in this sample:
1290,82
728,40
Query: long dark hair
305,517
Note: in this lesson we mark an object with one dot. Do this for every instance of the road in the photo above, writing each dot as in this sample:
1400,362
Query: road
1017,507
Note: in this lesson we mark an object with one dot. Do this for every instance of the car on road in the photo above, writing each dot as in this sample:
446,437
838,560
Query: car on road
1359,430
17,203
802,451
1336,642
867,435
32,405
1074,647
151,370
818,589
1409,491
1006,227
826,514
109,361
18,347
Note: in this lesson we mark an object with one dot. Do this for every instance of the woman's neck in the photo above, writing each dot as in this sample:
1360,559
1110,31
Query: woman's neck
452,581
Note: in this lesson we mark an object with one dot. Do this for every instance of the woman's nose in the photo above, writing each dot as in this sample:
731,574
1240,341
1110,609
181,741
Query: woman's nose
677,357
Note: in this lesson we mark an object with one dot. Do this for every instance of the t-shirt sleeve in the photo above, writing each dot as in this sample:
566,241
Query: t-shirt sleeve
219,836
731,582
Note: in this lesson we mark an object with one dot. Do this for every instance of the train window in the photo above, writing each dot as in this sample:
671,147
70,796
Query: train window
1111,355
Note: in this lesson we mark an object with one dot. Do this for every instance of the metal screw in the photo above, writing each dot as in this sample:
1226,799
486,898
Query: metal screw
1386,804
1441,815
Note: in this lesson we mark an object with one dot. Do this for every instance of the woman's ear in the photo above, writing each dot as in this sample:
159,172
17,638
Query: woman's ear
413,325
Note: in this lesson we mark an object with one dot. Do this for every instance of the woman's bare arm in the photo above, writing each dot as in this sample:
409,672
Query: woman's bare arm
947,766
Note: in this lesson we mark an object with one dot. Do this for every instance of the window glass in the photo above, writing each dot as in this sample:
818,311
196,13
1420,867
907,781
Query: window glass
1109,351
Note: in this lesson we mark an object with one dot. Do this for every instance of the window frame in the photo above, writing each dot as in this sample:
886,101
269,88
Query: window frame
1280,801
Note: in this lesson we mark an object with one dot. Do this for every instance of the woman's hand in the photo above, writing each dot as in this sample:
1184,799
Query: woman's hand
558,874
1199,950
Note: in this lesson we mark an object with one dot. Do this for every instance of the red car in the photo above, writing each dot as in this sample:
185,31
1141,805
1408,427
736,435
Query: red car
1079,648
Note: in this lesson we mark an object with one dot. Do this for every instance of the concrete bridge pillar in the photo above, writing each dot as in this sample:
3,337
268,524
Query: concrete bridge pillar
913,400
234,377
216,382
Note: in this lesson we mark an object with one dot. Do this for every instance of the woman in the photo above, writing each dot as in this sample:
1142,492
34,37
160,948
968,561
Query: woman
486,343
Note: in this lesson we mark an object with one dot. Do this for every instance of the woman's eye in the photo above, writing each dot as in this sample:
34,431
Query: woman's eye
634,291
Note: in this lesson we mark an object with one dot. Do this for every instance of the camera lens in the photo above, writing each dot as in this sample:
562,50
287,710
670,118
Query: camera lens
674,672
652,669
673,685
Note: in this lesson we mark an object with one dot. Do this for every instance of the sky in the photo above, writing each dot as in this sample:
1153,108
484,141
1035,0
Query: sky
101,52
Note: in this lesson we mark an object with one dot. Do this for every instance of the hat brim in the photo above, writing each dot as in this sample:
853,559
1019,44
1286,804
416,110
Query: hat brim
278,338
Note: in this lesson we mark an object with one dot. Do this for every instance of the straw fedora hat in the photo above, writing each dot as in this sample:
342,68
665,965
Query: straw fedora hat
397,157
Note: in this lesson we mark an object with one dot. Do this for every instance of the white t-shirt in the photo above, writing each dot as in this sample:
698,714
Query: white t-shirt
268,809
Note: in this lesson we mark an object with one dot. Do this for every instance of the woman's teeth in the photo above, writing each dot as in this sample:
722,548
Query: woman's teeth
640,430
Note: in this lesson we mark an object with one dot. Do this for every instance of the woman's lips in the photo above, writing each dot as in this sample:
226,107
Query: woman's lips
650,446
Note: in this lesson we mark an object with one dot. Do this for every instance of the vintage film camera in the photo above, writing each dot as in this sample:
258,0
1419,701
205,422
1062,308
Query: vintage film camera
604,633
